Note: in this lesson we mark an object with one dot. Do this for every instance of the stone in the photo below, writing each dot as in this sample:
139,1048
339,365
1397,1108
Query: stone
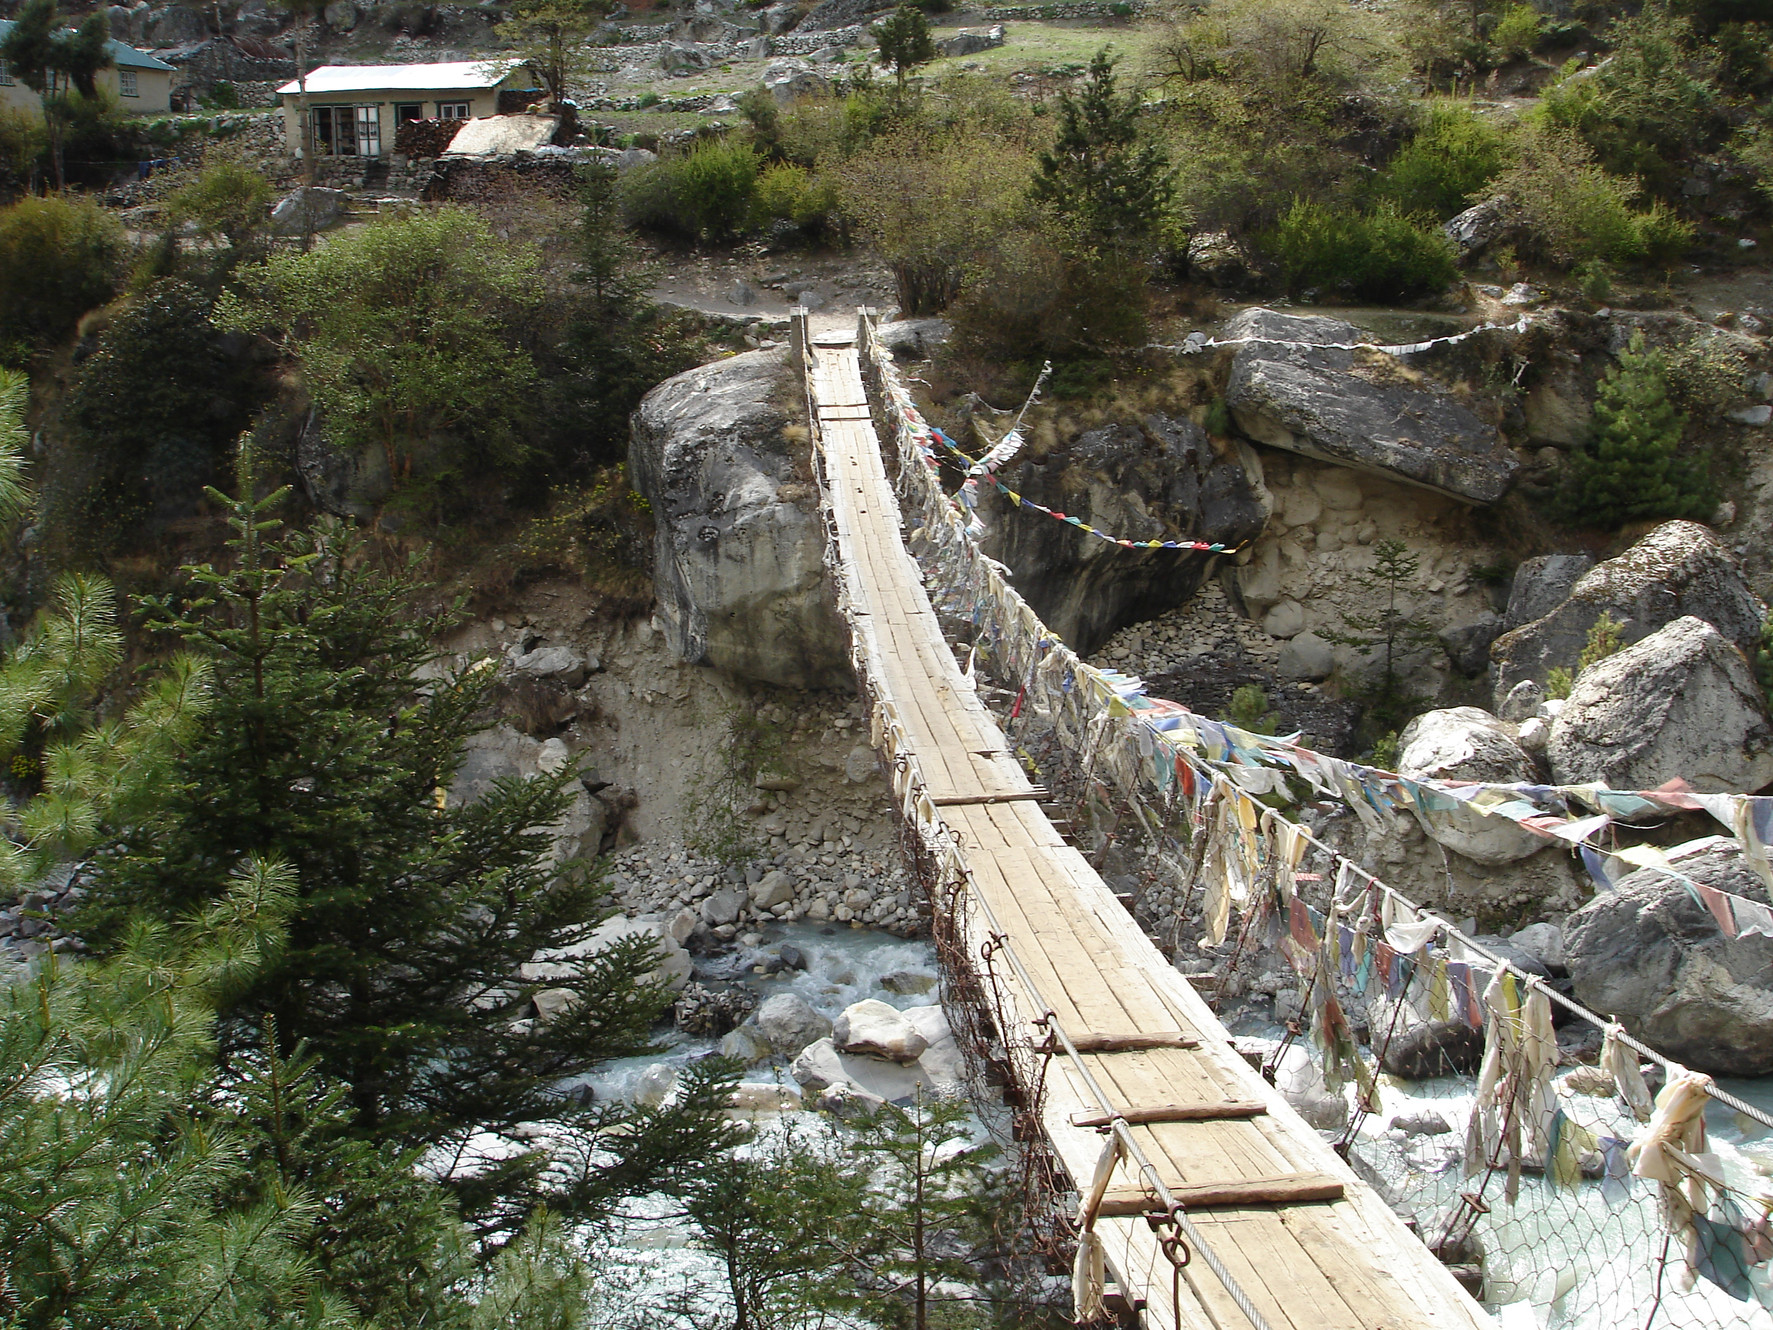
308,209
683,58
764,1097
1481,225
739,552
501,753
828,15
796,85
1540,585
1464,743
654,1085
674,964
941,1066
722,907
1468,644
176,25
1440,1048
1286,619
821,1067
711,1012
908,983
1309,399
550,1003
1308,658
1425,1122
970,41
1158,478
779,19
789,1024
1683,702
341,15
860,764
1542,941
1523,702
1678,569
1652,956
1534,735
682,924
1760,414
912,339
1217,259
872,1028
746,1044
1557,412
558,664
775,888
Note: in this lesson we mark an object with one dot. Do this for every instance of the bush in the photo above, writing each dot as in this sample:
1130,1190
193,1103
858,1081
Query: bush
704,194
793,194
1453,156
1573,211
1517,32
1381,255
59,258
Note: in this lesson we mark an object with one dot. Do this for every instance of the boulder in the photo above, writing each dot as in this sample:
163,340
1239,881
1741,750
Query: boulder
673,968
746,1043
821,1067
308,209
683,57
942,1066
831,14
176,25
1217,259
346,482
908,983
560,664
1440,1048
1654,957
1680,568
1307,657
739,552
710,1012
1328,404
872,1028
1468,644
1424,1122
970,41
1481,225
1162,478
722,907
912,339
1464,743
779,19
772,889
764,1097
1523,702
789,1024
1683,702
341,15
1545,942
1540,585
501,753
790,84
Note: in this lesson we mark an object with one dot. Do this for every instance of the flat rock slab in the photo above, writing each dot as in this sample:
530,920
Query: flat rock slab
1332,404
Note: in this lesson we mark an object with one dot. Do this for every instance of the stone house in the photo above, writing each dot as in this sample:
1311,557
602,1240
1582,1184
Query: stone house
140,84
355,109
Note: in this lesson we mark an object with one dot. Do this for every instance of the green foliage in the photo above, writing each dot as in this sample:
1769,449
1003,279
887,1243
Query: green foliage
410,335
903,41
1385,751
1442,169
1605,639
45,57
600,532
1594,279
59,258
1558,682
414,913
1249,710
1030,300
1573,211
1631,471
790,193
1103,181
549,38
1388,630
1517,31
226,203
704,194
1649,106
147,422
22,145
1381,255
1218,422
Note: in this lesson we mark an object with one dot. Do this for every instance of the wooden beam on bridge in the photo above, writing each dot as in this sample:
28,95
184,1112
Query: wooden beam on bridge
1277,1189
1132,1043
1141,1117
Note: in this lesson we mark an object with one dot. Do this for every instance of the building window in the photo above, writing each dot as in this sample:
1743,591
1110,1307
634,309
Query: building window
452,110
404,111
369,131
6,79
126,83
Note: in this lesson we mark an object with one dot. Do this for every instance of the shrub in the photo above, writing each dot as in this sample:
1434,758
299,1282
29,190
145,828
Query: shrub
704,194
1573,211
1453,156
59,258
1382,255
1517,32
793,194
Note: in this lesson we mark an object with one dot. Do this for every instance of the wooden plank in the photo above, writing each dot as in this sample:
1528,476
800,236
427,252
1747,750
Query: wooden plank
1202,1112
1275,1189
1134,1042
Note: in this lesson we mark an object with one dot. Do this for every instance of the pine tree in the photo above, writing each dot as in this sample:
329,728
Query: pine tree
1630,471
1387,629
322,748
1102,178
905,42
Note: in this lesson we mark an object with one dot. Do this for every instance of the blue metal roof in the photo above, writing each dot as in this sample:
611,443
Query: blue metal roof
125,57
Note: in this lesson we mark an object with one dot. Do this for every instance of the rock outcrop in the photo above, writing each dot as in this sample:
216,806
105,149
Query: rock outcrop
1683,702
1541,585
1679,569
1464,743
739,555
1654,957
1162,479
1336,405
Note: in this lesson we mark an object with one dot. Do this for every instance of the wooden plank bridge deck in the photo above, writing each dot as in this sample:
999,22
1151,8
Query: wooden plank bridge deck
1311,1245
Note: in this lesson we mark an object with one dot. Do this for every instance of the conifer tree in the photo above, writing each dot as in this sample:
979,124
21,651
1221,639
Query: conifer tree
322,748
1630,472
1102,178
904,41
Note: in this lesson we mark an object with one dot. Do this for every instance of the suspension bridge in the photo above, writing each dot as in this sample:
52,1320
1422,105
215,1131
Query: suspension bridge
1206,1202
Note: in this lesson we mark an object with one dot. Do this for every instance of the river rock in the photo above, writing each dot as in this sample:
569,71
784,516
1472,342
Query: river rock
722,907
747,1044
1680,568
1544,942
674,962
1655,958
1425,1122
872,1028
764,1097
711,1012
1313,400
1440,1048
1464,743
1683,702
739,555
821,1066
1161,478
772,889
789,1024
941,1066
908,983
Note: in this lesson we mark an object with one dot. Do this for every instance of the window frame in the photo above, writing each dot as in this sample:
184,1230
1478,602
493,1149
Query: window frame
127,86
455,110
6,78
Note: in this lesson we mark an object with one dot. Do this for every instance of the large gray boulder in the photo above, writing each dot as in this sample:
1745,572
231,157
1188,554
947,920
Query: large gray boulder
1318,401
1160,479
1683,703
1482,225
876,1029
1680,568
1652,956
1464,743
790,1024
307,209
1541,585
739,555
502,753
970,41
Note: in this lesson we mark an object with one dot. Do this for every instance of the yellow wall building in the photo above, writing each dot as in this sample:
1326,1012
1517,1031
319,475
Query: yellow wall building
141,84
355,108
